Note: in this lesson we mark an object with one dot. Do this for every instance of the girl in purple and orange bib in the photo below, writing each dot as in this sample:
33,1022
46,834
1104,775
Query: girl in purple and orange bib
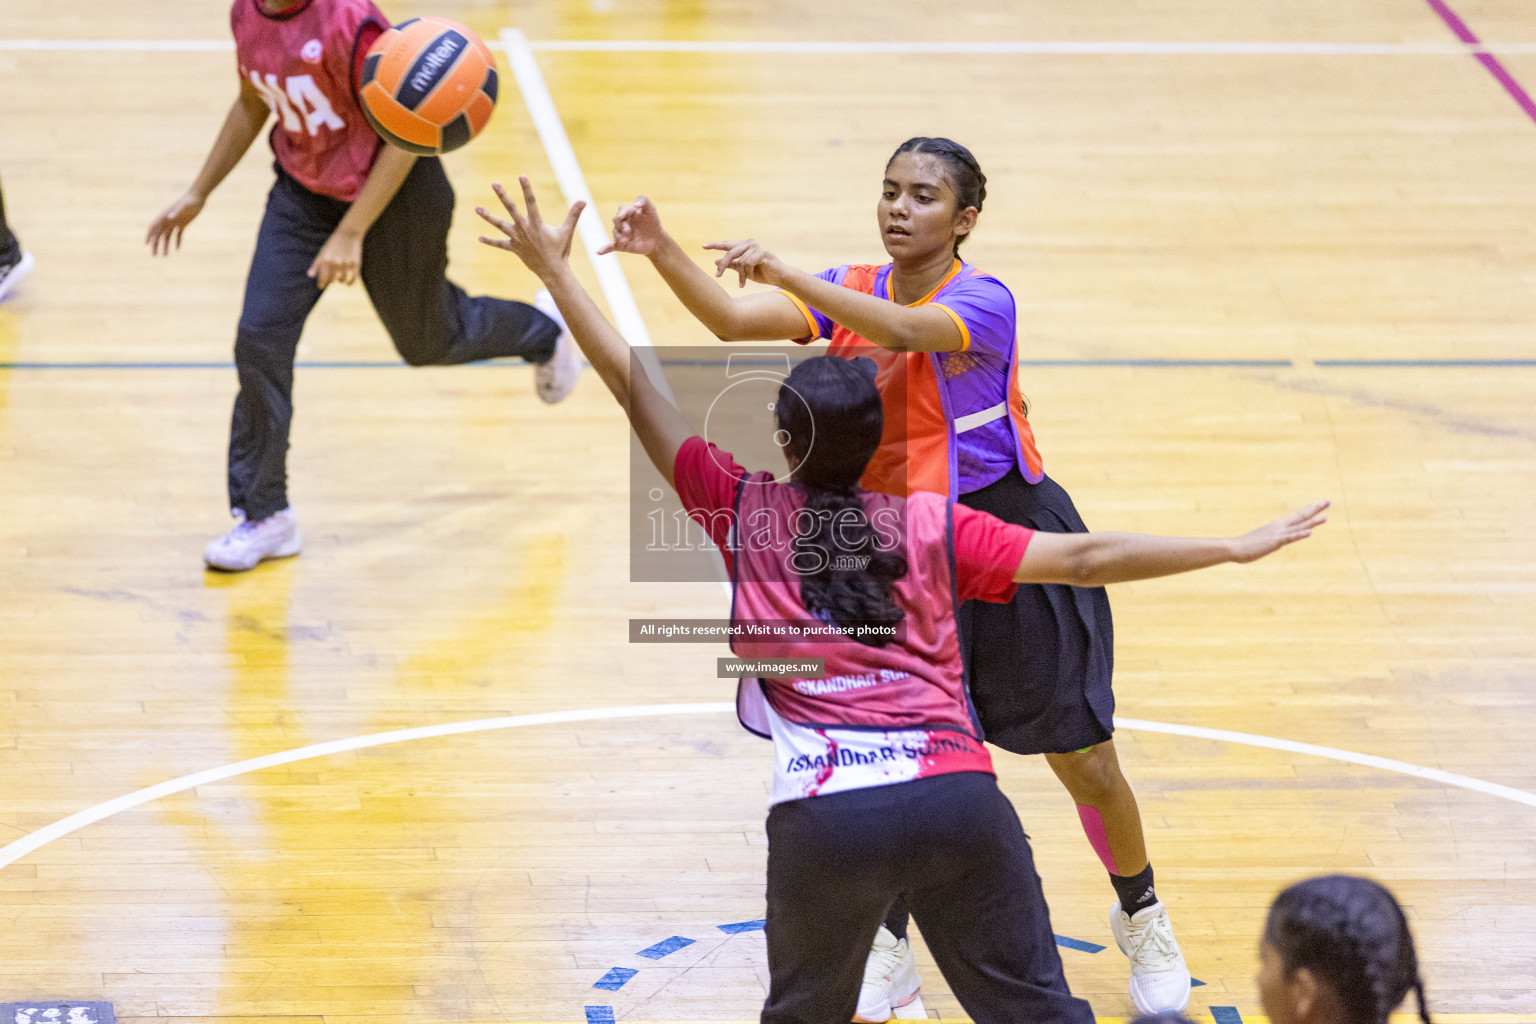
945,338
882,785
344,206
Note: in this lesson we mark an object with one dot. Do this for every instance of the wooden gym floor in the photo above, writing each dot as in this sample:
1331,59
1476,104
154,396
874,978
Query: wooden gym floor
1248,276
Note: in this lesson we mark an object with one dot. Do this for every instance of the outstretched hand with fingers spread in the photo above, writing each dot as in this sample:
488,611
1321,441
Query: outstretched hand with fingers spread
1276,535
542,248
636,229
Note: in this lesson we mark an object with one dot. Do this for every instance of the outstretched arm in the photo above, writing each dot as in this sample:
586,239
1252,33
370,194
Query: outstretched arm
762,317
888,324
1098,559
546,251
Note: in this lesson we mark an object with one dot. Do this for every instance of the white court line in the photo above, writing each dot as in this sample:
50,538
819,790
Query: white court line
1386,764
593,231
117,45
573,184
14,851
842,47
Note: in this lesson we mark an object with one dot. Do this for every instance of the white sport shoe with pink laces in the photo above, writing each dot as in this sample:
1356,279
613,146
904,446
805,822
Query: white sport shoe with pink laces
248,544
890,979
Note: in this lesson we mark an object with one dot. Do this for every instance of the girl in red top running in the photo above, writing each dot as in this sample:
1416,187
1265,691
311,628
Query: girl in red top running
882,785
344,206
945,337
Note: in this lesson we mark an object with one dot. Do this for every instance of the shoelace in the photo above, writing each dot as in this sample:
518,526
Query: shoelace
1152,944
882,962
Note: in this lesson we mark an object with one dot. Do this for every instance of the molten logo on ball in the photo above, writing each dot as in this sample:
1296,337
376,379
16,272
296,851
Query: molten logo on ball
441,54
428,86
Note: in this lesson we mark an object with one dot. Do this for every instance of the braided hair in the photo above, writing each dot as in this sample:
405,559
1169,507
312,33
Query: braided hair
845,576
965,175
1351,934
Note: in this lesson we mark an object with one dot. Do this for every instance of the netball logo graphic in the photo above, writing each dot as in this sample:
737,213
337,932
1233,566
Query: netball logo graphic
311,51
754,410
733,401
741,419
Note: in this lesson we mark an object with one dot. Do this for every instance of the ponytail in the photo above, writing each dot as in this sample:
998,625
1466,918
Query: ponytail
850,578
845,577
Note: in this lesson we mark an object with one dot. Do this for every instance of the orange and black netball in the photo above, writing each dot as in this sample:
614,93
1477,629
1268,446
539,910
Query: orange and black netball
428,86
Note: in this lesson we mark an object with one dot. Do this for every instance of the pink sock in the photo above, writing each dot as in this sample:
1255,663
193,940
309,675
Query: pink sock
1093,825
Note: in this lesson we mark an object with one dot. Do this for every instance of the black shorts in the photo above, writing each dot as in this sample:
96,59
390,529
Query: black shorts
1040,666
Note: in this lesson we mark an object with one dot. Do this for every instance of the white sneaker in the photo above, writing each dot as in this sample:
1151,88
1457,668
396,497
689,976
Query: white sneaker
555,379
276,536
890,978
1159,976
13,275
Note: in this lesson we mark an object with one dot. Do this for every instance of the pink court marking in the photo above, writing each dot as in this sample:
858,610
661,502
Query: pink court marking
1495,68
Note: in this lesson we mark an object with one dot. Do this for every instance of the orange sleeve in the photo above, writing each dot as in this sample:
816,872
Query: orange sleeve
965,332
813,330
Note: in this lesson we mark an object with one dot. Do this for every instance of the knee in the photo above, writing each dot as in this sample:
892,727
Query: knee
420,344
263,348
423,350
1092,776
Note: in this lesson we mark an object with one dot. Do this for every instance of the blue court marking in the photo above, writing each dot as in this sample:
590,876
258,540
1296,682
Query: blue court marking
1079,944
664,947
1226,1015
743,926
615,978
1426,362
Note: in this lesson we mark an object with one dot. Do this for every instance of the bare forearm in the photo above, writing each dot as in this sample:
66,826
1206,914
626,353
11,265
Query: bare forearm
384,180
1098,559
709,303
887,324
598,340
1122,557
658,424
241,127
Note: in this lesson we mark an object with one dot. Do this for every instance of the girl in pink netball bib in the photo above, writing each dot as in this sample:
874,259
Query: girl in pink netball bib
344,206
